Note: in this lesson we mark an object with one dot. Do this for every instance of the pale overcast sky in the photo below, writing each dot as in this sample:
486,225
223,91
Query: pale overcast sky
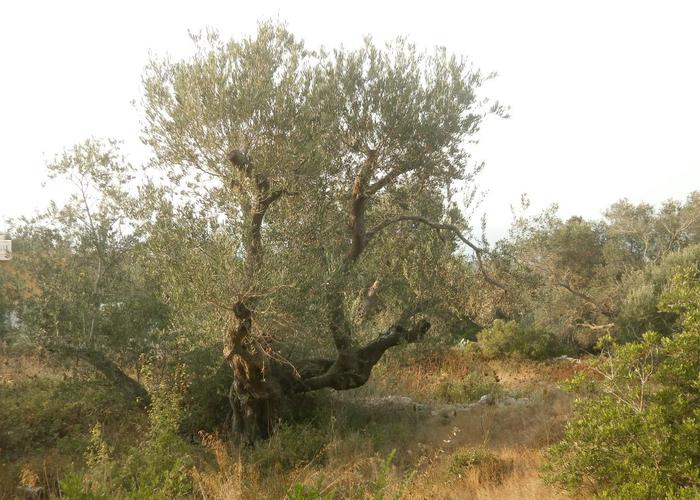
604,95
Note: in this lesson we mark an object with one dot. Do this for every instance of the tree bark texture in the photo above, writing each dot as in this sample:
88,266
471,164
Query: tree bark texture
260,380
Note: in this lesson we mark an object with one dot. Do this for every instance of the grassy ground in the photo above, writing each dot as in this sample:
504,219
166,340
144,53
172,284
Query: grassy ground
416,430
46,413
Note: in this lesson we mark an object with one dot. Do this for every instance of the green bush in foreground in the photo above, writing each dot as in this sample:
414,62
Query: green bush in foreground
636,433
44,413
509,338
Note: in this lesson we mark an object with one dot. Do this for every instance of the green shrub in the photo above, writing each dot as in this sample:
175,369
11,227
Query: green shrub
509,338
41,412
469,388
160,467
639,309
73,487
302,492
157,468
636,431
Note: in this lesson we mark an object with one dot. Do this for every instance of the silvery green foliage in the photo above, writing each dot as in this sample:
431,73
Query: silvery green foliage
306,120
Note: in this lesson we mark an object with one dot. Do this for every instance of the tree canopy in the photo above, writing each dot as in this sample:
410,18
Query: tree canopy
308,189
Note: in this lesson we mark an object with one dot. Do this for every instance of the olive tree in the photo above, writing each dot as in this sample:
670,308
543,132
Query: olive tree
78,287
584,279
315,196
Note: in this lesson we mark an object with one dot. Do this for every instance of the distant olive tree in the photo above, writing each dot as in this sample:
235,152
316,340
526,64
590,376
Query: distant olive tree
77,280
584,279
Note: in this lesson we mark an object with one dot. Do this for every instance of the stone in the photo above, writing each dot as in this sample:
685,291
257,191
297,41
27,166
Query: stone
487,399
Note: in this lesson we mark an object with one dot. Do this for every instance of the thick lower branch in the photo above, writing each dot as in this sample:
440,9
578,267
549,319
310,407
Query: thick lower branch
261,382
352,369
112,372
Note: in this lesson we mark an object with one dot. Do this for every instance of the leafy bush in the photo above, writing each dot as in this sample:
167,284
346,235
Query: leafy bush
162,464
302,492
157,468
469,388
640,308
43,412
636,433
508,338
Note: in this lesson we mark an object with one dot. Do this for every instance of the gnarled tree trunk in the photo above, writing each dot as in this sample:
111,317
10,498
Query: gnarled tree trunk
261,381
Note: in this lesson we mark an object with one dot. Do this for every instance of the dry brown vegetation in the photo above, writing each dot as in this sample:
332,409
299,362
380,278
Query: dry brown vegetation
390,445
426,464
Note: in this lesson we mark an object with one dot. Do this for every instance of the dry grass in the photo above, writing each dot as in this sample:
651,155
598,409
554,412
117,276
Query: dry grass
234,476
18,364
513,475
230,479
519,479
424,467
420,374
353,464
516,434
